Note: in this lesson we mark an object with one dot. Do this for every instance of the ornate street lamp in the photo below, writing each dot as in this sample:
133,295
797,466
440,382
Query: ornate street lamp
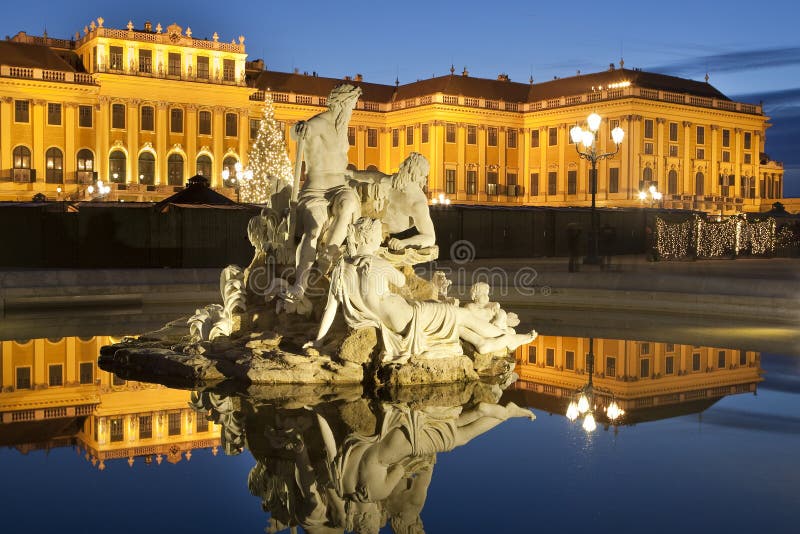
440,200
235,181
652,195
588,138
584,402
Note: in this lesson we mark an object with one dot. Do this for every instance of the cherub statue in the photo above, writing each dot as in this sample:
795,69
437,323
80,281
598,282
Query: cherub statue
490,311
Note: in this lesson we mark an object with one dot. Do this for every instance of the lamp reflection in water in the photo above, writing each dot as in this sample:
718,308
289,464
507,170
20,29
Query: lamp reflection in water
585,403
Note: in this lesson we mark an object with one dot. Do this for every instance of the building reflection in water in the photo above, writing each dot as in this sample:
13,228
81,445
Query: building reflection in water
648,380
54,395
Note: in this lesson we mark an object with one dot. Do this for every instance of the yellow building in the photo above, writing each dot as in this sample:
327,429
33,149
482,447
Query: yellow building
54,395
647,379
144,109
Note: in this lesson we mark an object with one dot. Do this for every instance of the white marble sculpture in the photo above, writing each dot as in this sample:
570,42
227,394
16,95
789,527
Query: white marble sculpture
213,320
360,286
490,311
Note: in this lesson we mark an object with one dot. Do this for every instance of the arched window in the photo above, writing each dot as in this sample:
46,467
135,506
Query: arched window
147,168
204,166
699,183
22,157
85,160
229,164
672,182
175,169
54,166
116,166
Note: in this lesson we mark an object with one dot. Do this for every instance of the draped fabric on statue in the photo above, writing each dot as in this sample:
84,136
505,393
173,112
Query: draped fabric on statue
431,333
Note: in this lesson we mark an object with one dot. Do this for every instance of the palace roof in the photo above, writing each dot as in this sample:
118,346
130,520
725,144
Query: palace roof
32,56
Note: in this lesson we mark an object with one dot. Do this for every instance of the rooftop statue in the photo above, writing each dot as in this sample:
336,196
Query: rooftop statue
331,296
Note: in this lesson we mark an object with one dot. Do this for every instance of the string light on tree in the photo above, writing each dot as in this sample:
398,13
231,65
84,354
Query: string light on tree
269,163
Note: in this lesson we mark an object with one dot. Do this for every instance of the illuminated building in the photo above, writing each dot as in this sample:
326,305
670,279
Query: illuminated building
649,380
144,109
53,395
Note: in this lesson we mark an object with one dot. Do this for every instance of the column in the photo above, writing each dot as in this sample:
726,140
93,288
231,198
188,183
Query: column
6,358
687,177
190,134
244,134
756,164
102,128
625,172
6,117
659,172
70,152
544,180
461,151
481,183
38,127
435,182
162,127
218,129
385,149
737,164
39,372
524,144
71,365
361,146
133,140
713,169
561,189
502,161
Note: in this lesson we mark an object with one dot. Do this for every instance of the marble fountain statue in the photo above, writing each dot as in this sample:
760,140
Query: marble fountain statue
331,295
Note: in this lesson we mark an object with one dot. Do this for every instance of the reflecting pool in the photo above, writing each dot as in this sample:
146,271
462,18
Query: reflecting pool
707,442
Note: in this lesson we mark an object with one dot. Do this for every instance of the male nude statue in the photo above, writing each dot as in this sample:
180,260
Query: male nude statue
325,146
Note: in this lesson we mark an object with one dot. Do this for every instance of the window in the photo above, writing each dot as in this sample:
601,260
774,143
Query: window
176,120
491,182
202,67
613,180
748,140
54,166
372,137
22,157
673,151
116,166
512,138
55,375
174,423
535,138
203,165
569,360
748,158
673,132
644,368
552,134
450,133
175,169
22,111
572,182
648,148
535,183
86,373
148,119
117,427
726,156
701,135
648,128
118,116
202,422
85,116
511,178
147,168
726,138
491,136
145,426
174,64
701,153
550,357
611,366
742,357
472,134
472,182
669,365
409,135
552,180
54,114
230,164
395,137
204,123
721,359
23,378
231,125
85,160
228,70
145,60
699,183
532,354
450,181
425,133
672,182
255,126
115,58
669,347
695,361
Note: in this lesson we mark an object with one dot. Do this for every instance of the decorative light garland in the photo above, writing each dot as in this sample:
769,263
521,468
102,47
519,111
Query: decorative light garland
673,241
719,238
267,159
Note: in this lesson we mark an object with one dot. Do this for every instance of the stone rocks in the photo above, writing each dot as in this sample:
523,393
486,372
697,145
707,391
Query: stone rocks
420,371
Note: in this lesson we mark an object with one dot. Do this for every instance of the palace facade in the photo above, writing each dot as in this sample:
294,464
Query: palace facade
143,109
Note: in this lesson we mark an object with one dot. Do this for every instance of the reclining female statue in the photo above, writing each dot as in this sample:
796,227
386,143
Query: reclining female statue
360,284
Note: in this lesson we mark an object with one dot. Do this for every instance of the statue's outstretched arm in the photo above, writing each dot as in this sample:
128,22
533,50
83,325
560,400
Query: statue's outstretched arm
327,318
426,237
369,177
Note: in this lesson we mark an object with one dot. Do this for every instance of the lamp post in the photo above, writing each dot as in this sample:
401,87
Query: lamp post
588,138
651,195
238,175
440,200
584,401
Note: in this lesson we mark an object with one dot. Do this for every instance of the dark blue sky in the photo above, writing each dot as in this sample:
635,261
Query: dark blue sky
750,54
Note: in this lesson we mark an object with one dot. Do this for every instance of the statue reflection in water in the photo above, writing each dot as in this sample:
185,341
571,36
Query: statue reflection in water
351,464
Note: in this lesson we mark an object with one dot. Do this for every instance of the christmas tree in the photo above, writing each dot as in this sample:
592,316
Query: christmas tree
268,160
